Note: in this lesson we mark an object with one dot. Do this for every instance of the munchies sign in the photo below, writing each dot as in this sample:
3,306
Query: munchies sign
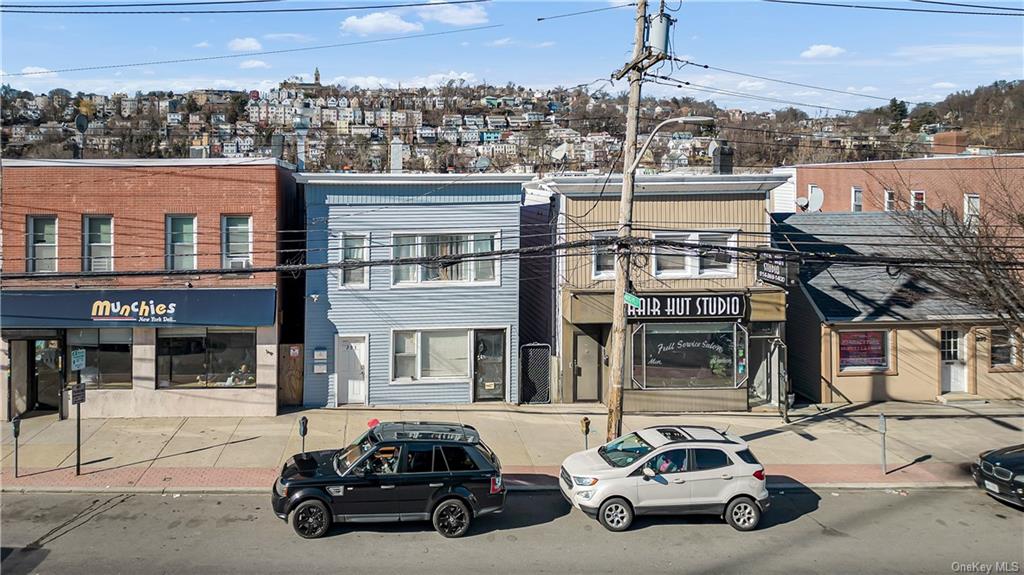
689,306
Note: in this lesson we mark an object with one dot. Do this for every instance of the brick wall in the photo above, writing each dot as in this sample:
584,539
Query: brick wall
139,199
944,180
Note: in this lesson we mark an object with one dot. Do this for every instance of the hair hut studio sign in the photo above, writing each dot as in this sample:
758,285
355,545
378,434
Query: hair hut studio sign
689,306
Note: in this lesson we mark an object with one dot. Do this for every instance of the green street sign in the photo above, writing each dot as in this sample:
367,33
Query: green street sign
632,300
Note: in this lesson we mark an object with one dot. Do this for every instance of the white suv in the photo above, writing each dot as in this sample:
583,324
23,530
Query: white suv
667,469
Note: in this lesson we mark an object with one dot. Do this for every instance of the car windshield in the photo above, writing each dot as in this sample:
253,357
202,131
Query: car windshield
624,450
347,457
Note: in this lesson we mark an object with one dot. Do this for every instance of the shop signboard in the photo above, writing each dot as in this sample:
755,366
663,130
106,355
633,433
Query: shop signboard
864,349
777,270
689,306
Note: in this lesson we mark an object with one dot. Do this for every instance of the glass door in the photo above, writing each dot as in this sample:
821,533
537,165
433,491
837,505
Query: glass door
489,364
46,375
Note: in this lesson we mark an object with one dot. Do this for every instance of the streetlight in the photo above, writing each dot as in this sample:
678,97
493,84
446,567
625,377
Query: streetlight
679,120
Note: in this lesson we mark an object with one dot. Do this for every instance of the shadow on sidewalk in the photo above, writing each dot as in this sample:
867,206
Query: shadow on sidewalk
168,456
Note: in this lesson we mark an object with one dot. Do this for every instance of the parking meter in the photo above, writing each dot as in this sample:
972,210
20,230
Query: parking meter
16,431
585,430
303,428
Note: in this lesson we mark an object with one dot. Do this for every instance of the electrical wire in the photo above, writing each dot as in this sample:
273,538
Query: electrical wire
581,12
141,4
7,9
962,5
892,8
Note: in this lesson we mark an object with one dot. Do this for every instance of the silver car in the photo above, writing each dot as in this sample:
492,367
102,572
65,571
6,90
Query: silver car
667,470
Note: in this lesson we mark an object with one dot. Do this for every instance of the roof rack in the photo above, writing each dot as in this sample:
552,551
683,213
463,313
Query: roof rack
426,431
722,437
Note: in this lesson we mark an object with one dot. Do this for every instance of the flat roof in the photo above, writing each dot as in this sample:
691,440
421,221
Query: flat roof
143,162
666,184
963,157
371,179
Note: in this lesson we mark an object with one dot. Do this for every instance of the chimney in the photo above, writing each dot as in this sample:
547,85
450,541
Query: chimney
396,155
721,158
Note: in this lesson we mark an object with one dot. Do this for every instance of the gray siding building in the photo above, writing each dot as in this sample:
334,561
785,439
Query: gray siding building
439,331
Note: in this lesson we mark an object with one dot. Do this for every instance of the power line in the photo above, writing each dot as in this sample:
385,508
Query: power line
242,10
261,53
893,8
967,5
581,12
143,4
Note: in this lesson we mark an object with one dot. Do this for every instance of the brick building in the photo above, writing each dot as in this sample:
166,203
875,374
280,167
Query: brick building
183,342
967,184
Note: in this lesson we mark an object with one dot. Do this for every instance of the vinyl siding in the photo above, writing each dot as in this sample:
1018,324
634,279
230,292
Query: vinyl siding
381,308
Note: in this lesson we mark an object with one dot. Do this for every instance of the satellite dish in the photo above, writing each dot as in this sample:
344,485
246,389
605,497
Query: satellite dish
802,203
81,123
816,199
560,152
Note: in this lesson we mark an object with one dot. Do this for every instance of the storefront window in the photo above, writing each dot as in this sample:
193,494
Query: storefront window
682,356
108,356
863,350
1003,348
431,354
206,357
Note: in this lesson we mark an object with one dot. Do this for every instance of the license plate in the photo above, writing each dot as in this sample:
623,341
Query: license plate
991,486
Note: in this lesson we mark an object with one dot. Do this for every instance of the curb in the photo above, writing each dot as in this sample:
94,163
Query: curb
512,489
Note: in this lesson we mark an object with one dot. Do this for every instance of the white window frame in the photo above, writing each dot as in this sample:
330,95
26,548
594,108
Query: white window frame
888,333
87,264
1015,351
365,284
470,339
169,245
419,282
913,201
30,261
225,259
889,200
594,272
693,268
854,205
971,219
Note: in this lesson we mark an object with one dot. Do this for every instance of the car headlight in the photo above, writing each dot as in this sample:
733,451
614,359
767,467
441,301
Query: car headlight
585,495
1019,478
584,481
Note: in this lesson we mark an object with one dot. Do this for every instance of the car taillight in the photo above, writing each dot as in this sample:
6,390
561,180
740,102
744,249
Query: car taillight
496,485
759,475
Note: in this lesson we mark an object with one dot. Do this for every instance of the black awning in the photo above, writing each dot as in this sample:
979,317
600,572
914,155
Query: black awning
130,308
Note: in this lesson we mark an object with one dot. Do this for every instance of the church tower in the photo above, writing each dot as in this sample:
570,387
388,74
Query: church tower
316,76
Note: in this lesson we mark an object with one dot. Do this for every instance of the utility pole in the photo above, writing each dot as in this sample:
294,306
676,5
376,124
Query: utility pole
643,59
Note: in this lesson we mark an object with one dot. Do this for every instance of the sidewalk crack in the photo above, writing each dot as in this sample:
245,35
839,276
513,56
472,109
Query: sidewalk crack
231,437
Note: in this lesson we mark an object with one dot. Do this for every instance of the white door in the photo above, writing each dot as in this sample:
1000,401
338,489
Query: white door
954,364
669,487
351,369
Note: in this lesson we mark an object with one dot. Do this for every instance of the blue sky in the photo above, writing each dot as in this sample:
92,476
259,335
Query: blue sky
911,56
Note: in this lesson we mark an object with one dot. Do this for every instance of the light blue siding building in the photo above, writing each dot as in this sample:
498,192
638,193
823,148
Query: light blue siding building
439,332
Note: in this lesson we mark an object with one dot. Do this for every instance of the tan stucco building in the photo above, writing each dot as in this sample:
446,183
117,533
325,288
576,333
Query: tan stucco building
868,333
707,336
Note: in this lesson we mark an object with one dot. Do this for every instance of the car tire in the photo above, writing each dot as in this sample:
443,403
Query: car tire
616,514
311,519
743,514
451,518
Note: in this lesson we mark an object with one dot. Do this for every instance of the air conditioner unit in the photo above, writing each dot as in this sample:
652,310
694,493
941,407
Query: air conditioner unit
239,263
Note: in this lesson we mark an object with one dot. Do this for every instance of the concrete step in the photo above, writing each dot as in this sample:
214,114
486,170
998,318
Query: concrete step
959,398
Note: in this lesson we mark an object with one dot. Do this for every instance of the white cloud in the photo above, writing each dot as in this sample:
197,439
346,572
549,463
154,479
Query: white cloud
288,37
862,90
748,85
822,51
38,72
545,44
252,64
500,42
248,44
454,15
940,52
944,85
806,93
379,23
203,44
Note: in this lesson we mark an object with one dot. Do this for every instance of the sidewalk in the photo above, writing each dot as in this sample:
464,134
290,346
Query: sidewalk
928,445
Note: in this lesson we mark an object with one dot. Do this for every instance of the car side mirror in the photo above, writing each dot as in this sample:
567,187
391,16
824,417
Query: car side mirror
649,473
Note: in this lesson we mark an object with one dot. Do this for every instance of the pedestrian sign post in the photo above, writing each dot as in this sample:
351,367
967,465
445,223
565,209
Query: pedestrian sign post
77,359
77,399
632,300
78,394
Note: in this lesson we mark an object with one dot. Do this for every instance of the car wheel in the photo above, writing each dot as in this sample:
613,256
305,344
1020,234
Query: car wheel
616,514
311,519
743,514
452,518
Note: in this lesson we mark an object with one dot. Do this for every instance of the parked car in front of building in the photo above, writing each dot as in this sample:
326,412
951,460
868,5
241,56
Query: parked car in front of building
667,470
396,471
1000,473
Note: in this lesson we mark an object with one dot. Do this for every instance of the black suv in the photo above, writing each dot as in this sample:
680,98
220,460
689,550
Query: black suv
1000,472
398,471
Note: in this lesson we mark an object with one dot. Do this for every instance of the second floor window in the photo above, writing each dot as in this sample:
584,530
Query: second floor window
890,200
42,244
440,247
693,261
237,234
354,249
99,244
856,199
181,242
972,210
604,257
917,201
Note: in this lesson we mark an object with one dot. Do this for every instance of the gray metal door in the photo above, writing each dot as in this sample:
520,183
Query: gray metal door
586,368
535,373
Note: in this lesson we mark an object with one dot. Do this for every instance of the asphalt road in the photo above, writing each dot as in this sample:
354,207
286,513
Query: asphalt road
805,532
